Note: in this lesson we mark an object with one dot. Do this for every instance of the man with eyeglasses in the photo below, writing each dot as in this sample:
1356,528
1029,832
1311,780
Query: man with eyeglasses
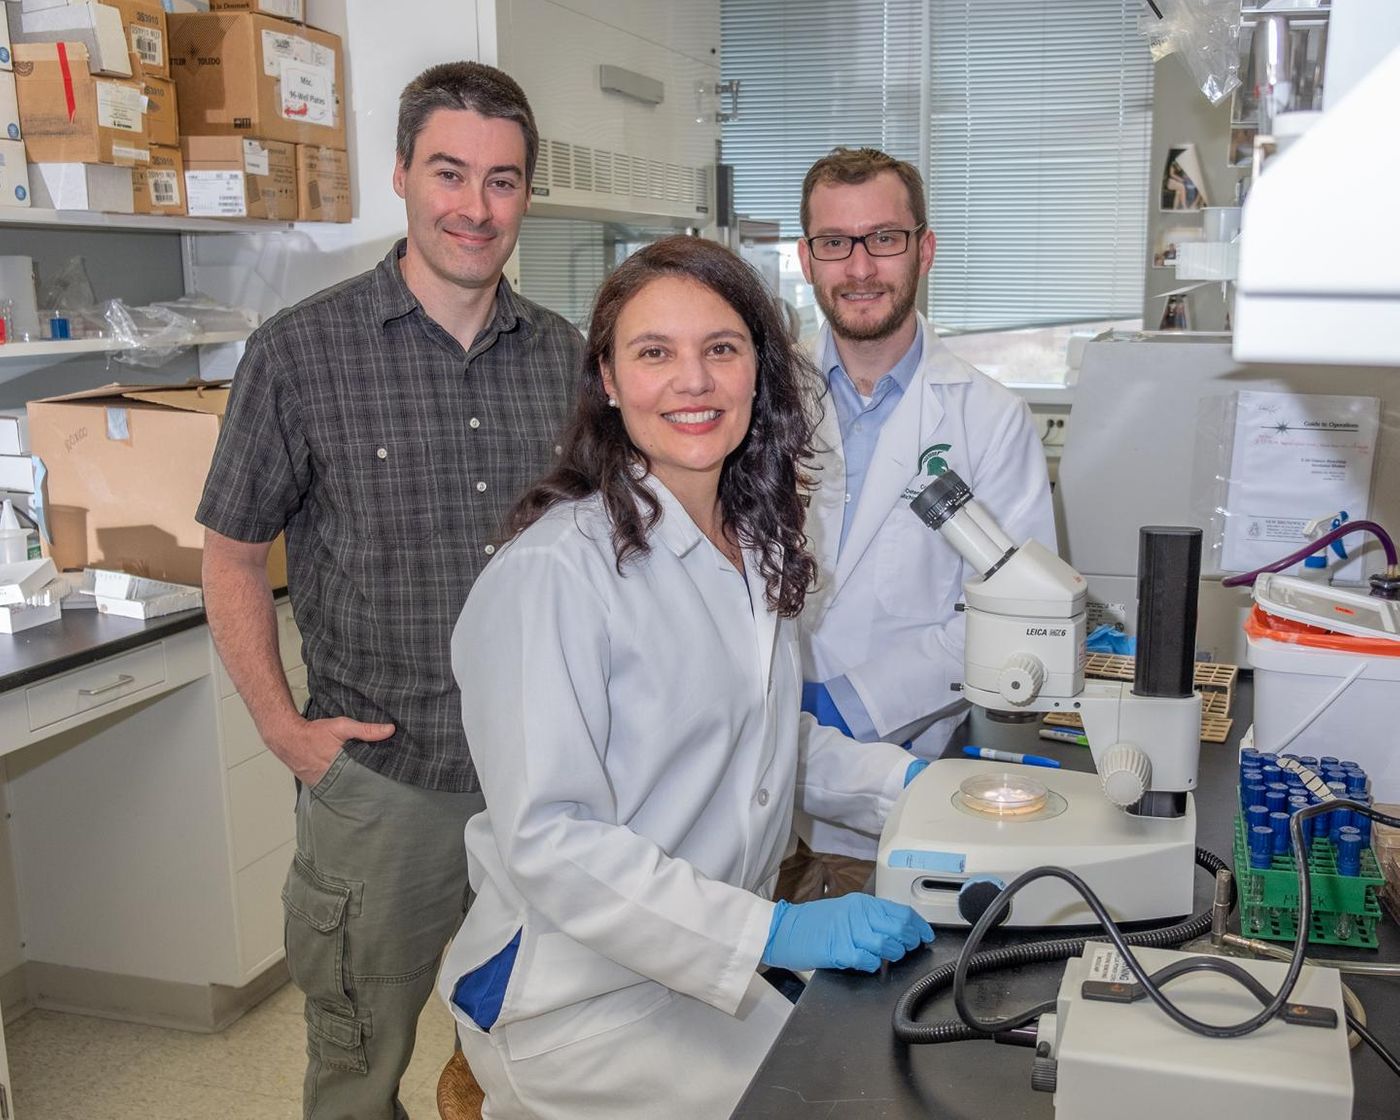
882,640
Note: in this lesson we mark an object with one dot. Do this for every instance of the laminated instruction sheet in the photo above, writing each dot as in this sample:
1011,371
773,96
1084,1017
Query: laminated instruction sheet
1297,457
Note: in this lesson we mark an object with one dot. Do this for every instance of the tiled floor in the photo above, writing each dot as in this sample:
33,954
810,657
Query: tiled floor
72,1067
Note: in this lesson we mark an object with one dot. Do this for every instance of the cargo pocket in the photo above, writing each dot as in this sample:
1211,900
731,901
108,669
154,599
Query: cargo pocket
316,942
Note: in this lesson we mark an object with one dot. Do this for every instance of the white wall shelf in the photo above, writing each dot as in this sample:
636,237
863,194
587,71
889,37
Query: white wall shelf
150,223
37,354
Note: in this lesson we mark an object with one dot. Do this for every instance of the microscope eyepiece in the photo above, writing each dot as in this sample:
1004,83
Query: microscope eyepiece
940,499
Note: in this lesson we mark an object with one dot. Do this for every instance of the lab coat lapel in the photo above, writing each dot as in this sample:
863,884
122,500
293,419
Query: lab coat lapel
765,622
895,462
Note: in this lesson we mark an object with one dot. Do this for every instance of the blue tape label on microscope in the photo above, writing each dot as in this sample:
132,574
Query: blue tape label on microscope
954,862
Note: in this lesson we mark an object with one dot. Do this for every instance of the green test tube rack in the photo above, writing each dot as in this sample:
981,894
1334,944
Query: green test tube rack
1345,908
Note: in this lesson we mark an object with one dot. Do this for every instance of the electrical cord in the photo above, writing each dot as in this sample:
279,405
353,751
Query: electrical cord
1375,1044
908,1029
970,961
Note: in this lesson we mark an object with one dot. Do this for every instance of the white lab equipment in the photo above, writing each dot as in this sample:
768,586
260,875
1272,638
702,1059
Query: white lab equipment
1130,832
1101,1052
1312,286
14,537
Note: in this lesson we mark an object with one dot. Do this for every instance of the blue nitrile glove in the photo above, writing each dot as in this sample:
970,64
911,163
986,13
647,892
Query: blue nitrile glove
917,767
817,701
853,931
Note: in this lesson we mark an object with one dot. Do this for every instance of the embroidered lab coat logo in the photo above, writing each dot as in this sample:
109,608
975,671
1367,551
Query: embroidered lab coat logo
931,461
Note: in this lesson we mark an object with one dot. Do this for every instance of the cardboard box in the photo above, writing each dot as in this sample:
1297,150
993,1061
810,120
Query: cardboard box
82,186
107,121
126,467
159,187
14,174
294,10
323,184
6,60
235,177
162,114
251,75
97,26
147,36
9,107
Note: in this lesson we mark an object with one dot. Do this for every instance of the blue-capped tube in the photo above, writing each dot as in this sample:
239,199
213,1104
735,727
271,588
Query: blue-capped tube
1308,761
1251,774
1349,853
1278,824
1256,815
1329,760
1261,847
1355,782
1296,803
1272,772
1361,822
1253,794
1276,797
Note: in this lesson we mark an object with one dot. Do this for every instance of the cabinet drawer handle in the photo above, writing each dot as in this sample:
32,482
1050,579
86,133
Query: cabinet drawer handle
120,682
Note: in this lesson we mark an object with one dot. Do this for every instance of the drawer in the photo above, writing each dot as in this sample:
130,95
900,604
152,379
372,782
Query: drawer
258,896
262,808
107,685
288,648
241,738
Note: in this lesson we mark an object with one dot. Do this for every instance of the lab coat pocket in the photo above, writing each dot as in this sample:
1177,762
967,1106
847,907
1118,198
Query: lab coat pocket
913,568
563,992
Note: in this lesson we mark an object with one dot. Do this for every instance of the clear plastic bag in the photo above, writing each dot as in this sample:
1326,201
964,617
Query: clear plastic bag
150,336
69,289
1205,33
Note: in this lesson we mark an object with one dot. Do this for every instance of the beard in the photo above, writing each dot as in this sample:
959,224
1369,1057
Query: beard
901,303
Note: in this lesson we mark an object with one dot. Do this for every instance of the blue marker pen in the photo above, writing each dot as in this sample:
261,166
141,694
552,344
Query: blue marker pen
1010,756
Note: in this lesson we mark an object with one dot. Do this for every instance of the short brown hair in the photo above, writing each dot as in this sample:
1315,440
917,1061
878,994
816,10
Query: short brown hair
465,85
859,165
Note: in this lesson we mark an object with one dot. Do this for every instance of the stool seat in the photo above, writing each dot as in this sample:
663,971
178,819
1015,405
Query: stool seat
459,1097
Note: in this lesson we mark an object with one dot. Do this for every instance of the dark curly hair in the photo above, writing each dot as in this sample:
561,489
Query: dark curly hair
758,484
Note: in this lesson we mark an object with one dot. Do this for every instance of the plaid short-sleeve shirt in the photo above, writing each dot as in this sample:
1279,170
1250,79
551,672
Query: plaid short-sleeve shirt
390,457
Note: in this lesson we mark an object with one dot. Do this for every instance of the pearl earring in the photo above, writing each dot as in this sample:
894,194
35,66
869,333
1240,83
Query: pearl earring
612,402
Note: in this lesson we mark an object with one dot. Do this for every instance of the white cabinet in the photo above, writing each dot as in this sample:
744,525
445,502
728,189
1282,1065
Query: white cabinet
150,837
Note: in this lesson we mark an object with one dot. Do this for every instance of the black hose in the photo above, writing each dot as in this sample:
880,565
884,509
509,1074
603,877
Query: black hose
907,1029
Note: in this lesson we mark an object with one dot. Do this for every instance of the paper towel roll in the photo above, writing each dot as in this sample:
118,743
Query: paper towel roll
17,286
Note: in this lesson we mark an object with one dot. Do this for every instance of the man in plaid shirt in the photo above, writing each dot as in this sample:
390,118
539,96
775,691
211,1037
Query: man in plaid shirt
385,425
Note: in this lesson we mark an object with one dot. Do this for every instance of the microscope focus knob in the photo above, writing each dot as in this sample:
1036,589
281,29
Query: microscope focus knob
1126,774
1021,679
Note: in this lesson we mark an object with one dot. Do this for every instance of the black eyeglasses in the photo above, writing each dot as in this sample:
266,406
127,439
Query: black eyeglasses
878,243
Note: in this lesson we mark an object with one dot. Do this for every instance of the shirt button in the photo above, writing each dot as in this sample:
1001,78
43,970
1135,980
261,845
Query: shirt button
763,797
558,450
848,498
383,452
481,487
490,550
473,423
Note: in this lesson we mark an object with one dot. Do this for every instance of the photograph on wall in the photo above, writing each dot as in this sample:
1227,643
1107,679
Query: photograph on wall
1242,145
1176,315
1183,185
1164,252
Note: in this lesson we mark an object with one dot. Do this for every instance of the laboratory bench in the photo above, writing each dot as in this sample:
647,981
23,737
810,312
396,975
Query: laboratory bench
146,830
837,1058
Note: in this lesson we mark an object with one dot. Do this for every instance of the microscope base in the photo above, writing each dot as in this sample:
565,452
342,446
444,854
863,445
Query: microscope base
933,844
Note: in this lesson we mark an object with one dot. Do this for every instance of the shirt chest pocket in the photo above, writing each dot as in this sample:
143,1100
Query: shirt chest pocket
917,574
394,490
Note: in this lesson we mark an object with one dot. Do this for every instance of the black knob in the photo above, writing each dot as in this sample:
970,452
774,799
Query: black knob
975,896
1044,1072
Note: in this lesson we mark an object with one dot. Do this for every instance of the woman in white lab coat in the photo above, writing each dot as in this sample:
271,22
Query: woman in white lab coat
630,689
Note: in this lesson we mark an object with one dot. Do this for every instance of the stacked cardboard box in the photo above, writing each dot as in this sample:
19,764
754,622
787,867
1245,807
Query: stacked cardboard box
237,177
14,173
245,73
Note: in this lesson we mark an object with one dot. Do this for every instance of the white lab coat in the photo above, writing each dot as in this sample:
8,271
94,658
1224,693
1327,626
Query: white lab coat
637,740
883,613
